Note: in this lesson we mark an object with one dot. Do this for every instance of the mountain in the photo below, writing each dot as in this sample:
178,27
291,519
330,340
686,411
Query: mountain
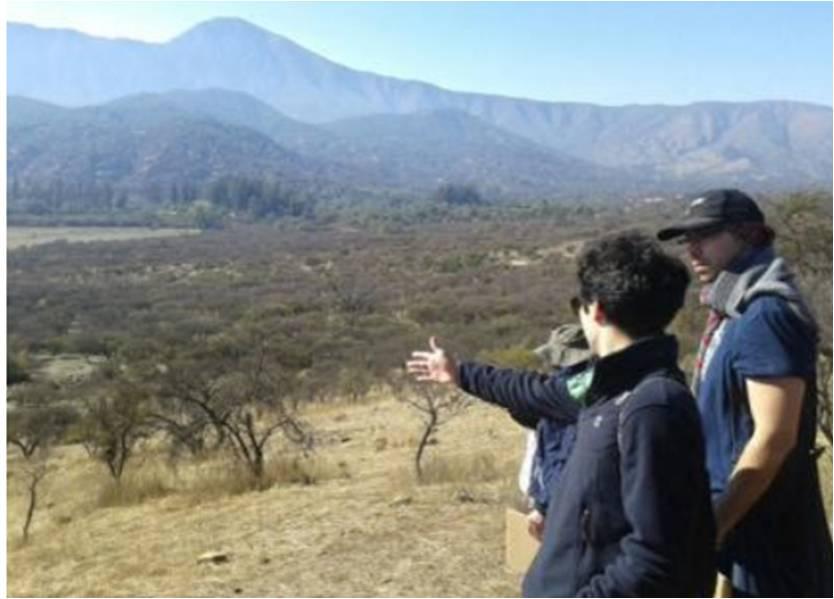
455,146
241,109
757,141
196,136
416,150
70,68
136,142
764,144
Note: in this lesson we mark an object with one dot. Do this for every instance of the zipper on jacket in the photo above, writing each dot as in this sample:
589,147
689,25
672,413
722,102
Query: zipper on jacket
585,526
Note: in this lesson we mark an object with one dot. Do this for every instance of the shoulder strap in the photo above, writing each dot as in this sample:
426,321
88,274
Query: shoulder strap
621,400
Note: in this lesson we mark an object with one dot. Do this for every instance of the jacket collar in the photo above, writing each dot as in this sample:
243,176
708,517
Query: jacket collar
623,370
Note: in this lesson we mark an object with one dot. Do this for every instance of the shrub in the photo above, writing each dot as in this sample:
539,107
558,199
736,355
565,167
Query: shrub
512,357
15,371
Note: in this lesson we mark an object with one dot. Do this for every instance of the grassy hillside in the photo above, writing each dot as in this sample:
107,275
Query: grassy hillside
361,528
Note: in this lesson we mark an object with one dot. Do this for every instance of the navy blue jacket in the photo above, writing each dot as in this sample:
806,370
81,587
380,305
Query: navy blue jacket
631,515
554,443
555,435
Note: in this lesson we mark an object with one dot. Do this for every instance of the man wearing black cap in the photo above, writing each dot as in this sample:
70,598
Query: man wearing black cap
755,384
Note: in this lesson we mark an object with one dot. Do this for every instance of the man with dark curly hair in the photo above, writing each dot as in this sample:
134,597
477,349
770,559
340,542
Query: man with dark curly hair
630,514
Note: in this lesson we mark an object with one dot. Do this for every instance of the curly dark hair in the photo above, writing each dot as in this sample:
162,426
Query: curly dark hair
638,285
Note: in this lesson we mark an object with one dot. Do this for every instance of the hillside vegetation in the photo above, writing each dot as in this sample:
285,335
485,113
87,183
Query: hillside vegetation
241,391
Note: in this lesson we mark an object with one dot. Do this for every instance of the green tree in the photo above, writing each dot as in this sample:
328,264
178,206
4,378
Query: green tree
206,216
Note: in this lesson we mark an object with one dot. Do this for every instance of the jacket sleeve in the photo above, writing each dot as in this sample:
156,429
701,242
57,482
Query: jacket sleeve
527,396
662,506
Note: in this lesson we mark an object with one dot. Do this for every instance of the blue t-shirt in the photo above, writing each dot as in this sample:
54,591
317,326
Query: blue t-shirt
782,546
767,341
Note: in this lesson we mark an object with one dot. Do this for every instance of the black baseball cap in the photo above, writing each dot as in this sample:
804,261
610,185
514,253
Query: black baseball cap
713,209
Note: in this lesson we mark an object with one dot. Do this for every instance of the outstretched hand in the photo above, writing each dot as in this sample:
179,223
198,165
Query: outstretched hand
434,365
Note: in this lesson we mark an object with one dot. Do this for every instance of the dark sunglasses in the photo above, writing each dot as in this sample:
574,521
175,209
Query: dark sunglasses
699,235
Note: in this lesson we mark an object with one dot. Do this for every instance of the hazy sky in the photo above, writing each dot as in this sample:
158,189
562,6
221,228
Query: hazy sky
606,53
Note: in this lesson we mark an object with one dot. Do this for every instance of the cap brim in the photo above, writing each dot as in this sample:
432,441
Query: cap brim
693,224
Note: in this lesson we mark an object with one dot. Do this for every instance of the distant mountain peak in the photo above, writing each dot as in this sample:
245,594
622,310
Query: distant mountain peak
224,30
228,26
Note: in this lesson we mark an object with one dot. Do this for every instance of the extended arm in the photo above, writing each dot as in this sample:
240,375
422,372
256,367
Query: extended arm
776,406
528,396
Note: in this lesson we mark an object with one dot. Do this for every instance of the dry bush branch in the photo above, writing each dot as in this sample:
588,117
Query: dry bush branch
436,406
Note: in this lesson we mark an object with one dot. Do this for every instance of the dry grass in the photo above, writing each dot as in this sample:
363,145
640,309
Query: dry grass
213,477
477,468
350,521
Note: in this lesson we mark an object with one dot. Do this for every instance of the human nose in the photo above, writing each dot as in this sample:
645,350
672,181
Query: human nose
693,247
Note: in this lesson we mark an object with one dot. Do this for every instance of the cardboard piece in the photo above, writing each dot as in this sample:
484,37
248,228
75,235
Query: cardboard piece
519,547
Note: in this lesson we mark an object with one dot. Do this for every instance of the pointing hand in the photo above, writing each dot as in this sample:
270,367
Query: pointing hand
434,365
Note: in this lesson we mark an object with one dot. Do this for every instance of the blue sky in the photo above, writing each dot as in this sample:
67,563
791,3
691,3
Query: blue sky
606,53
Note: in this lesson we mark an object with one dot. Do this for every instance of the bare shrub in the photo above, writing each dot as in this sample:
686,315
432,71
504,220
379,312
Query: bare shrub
114,424
436,406
38,419
240,393
188,406
33,470
33,426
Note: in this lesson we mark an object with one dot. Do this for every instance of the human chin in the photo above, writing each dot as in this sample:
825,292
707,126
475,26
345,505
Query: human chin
704,273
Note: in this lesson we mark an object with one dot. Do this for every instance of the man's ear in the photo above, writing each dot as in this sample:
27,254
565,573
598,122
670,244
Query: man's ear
598,313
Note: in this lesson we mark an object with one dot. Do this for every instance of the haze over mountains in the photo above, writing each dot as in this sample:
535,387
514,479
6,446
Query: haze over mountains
227,97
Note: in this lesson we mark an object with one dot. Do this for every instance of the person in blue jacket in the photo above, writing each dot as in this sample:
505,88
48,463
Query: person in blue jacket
755,383
552,441
631,514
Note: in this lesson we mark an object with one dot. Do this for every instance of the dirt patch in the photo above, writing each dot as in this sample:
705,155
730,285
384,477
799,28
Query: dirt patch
65,368
18,237
567,250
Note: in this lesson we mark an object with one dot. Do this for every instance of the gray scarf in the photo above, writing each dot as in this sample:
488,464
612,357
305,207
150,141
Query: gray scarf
735,288
757,273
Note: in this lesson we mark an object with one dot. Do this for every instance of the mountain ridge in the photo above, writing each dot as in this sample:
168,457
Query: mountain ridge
767,143
414,152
